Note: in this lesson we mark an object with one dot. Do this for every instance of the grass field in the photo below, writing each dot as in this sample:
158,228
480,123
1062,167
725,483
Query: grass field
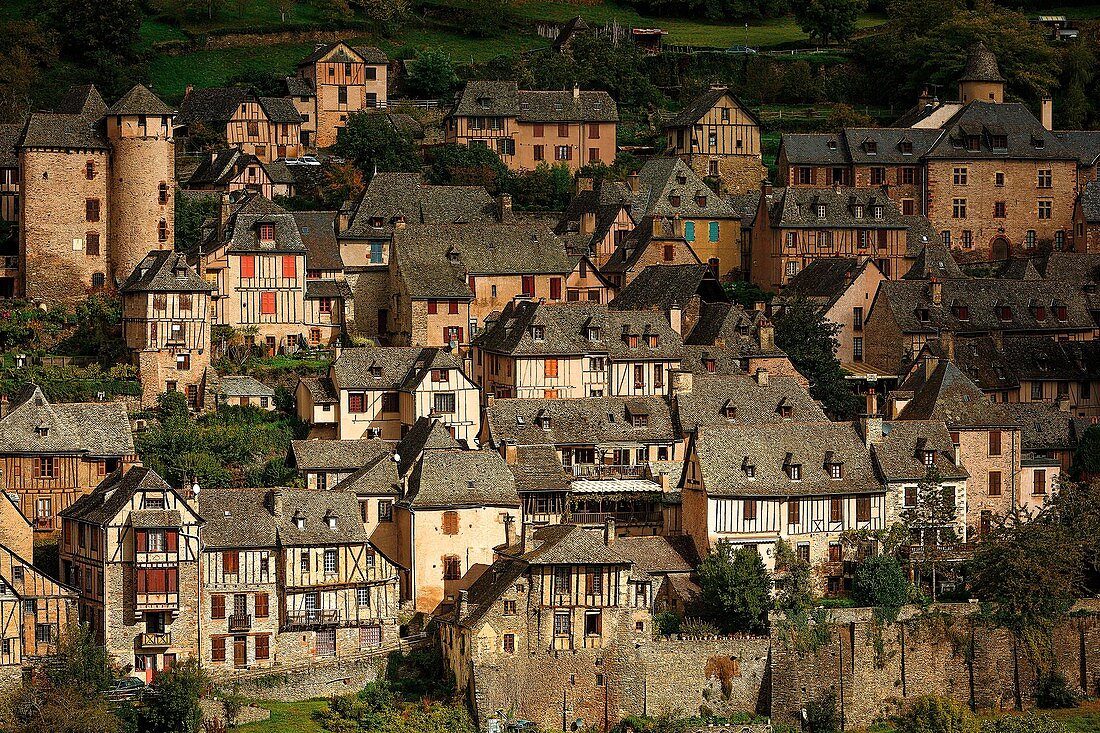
287,717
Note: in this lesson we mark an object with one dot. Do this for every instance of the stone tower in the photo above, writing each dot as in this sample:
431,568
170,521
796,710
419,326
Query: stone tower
142,198
982,79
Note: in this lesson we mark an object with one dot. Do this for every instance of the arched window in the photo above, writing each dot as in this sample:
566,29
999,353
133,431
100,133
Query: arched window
162,231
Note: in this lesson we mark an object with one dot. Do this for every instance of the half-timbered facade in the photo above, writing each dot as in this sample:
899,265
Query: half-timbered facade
132,548
268,128
35,610
331,83
231,170
53,453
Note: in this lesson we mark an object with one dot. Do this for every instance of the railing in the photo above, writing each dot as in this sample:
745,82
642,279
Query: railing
240,622
156,638
157,601
599,518
43,523
599,470
308,619
9,263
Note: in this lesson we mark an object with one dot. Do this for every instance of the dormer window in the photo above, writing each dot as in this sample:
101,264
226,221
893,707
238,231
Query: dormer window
1000,142
651,340
835,470
748,468
928,458
1060,311
1004,312
973,143
857,211
1038,142
538,333
593,333
154,502
1040,311
674,199
267,232
639,421
784,409
701,201
709,365
558,107
962,312
42,431
483,102
375,371
331,521
906,147
831,144
299,521
376,222
922,315
821,209
876,211
681,179
794,471
870,147
544,422
730,412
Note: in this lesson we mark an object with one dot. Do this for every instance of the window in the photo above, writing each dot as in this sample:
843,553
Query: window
836,510
945,237
506,146
1030,238
908,175
1046,178
967,239
794,471
958,208
959,176
563,152
443,403
748,510
304,562
217,606
217,648
998,209
331,561
248,266
267,303
593,624
362,597
1036,391
91,244
713,231
857,348
509,608
89,170
994,442
267,232
262,606
231,561
540,152
928,457
263,646
562,580
450,523
1039,485
550,368
878,176
794,511
91,209
668,253
689,231
162,194
509,643
47,467
994,483
836,471
910,499
290,266
593,582
803,175
1046,209
561,623
791,268
162,231
183,362
863,509
43,633
375,253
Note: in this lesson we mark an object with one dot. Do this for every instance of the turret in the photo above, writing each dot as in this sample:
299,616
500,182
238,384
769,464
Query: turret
982,80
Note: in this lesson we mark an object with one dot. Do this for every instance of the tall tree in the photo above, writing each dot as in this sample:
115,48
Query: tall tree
931,524
372,144
810,342
735,589
828,20
173,704
432,75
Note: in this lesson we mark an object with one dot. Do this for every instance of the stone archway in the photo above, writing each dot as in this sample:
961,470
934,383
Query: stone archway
1000,248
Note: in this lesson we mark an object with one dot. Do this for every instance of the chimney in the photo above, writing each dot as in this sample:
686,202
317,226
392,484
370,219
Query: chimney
1063,402
576,92
766,334
924,99
509,530
930,364
399,223
766,187
504,207
609,532
762,377
677,227
632,182
188,89
277,503
676,317
510,452
223,214
998,339
5,406
528,543
872,430
871,406
343,218
680,381
947,344
585,183
936,288
1046,112
662,480
463,606
588,222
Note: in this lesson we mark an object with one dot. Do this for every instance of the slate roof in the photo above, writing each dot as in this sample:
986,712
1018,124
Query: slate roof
9,145
426,434
656,555
605,203
902,299
814,149
1077,268
1085,144
538,468
724,450
369,54
456,477
824,280
796,208
898,456
77,123
1027,139
390,196
505,99
934,259
246,518
112,494
948,395
239,385
662,178
297,86
242,228
702,104
566,327
379,477
981,65
579,421
565,544
280,109
651,230
402,367
1090,202
731,327
488,588
316,289
1023,358
1043,426
140,100
337,455
753,404
214,104
219,169
883,145
321,390
165,271
658,287
33,425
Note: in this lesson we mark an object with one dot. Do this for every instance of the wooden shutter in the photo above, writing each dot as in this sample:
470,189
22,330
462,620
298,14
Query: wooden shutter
794,508
267,303
217,649
450,522
172,580
433,308
863,509
528,282
141,540
231,562
261,605
263,645
994,483
550,368
290,266
994,442
217,608
555,288
749,509
248,266
171,540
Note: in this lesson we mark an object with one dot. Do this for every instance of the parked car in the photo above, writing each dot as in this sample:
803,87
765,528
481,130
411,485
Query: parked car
127,688
740,49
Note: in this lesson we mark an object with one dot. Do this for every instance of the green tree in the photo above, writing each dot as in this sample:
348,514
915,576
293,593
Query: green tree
373,145
822,713
458,165
172,706
545,188
432,75
734,589
385,15
828,20
931,523
192,209
810,342
880,581
931,714
1086,459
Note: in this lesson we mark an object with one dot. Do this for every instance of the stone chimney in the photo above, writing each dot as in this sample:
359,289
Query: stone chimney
998,339
588,222
277,503
632,182
762,377
766,334
676,317
223,215
509,451
576,92
1046,112
1063,402
127,464
677,226
343,219
585,183
609,532
930,364
766,187
188,89
871,407
528,543
463,605
680,381
924,99
662,480
936,289
399,224
5,406
872,430
947,344
504,207
509,530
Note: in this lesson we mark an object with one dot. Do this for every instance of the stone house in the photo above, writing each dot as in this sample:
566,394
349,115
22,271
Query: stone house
245,391
575,350
678,291
1086,220
290,576
325,462
662,572
52,454
718,136
98,188
547,631
656,240
166,323
526,128
231,170
596,219
906,314
381,391
843,288
35,610
728,339
132,548
802,482
331,83
454,507
796,226
269,128
720,400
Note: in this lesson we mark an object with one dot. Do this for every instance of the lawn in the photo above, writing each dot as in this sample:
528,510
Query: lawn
287,717
170,75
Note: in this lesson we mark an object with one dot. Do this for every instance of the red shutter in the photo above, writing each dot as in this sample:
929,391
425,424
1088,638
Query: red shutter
290,266
248,266
172,580
267,303
432,308
171,540
452,307
141,540
141,583
555,288
529,285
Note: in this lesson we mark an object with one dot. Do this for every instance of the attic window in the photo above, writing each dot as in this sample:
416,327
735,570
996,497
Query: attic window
831,144
375,371
748,468
267,232
524,106
821,209
674,199
593,333
483,102
681,179
857,211
1038,142
730,412
1040,311
299,521
876,211
701,200
1000,142
794,471
784,409
922,315
835,470
639,421
538,333
1060,311
870,147
651,340
544,422
376,222
973,142
928,458
42,431
331,521
558,107
709,364
906,147
962,312
1004,312
631,340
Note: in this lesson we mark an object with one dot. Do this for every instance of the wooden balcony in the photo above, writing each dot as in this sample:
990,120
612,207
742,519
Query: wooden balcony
600,518
156,559
600,470
155,639
240,622
312,619
157,602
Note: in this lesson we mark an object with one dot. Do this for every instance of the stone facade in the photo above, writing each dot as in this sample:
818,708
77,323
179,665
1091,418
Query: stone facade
738,173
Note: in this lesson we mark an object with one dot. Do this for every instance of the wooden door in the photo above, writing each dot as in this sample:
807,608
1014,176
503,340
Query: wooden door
240,651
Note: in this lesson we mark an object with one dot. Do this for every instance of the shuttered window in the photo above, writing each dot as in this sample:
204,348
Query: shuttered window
231,562
748,510
263,646
248,266
994,442
217,649
550,368
267,303
217,606
450,523
863,509
794,511
261,605
290,266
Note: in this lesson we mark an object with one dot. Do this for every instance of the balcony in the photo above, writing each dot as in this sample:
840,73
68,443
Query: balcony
600,518
155,639
240,622
155,559
156,602
312,619
600,470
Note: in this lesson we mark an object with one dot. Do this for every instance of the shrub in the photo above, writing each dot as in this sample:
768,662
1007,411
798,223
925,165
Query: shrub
697,627
666,622
880,581
1053,692
931,714
1030,723
821,713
